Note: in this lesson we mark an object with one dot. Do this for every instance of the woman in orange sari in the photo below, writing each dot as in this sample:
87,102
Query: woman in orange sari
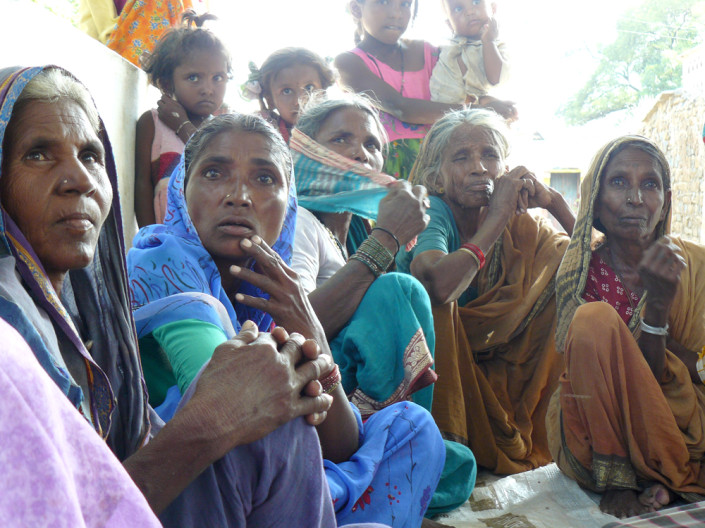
494,315
629,418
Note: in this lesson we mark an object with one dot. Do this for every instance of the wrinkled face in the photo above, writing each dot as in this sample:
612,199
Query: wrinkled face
199,83
471,162
354,134
289,86
466,17
632,199
54,184
386,20
236,189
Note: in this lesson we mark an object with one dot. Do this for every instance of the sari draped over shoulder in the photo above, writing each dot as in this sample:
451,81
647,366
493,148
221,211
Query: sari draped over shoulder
173,278
88,326
496,358
88,323
381,364
612,424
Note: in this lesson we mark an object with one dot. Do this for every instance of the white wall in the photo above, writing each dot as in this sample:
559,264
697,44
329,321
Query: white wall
32,36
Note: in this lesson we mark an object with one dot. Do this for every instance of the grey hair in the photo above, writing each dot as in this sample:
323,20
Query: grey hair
237,123
318,108
427,168
52,84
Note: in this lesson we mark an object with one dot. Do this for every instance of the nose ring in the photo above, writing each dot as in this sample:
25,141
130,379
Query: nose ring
227,195
65,181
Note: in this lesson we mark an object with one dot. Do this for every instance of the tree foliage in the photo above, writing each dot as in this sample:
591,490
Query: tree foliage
643,61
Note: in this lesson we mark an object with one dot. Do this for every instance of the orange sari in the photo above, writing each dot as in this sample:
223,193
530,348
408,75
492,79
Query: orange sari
141,25
495,357
612,424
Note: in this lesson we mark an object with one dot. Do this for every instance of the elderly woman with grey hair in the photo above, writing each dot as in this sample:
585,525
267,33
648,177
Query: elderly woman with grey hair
337,148
489,269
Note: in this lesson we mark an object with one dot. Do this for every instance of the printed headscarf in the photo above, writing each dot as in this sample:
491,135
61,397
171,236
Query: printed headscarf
573,271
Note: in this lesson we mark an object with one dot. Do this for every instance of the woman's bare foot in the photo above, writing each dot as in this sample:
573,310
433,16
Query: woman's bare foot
428,523
622,503
656,497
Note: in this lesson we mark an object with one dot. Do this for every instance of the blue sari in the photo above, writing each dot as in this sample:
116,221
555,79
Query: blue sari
392,476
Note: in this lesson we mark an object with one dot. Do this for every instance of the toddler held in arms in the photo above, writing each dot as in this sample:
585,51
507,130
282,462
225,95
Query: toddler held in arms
475,61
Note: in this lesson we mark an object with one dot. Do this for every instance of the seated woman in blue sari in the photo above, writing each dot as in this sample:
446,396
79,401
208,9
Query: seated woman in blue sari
379,324
210,268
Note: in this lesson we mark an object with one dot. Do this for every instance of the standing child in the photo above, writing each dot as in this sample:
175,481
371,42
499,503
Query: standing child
286,76
190,66
475,60
396,73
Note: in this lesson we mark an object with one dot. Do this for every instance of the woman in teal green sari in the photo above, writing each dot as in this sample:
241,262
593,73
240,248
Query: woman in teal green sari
379,323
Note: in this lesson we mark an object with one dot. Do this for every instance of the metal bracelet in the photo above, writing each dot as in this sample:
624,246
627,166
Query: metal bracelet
654,330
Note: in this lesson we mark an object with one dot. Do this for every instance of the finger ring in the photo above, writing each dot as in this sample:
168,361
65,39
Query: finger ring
176,114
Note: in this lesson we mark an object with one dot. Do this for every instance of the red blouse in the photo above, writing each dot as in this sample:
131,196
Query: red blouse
604,285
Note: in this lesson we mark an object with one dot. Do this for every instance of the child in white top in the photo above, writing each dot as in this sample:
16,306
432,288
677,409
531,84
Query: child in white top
475,61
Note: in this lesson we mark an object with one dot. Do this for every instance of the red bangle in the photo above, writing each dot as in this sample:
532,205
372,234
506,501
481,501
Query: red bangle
331,381
477,251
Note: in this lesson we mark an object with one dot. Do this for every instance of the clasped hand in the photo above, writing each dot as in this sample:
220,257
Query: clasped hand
256,382
660,270
519,190
403,211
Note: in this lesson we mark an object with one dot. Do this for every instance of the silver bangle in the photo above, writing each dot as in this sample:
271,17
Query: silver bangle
655,330
182,125
701,369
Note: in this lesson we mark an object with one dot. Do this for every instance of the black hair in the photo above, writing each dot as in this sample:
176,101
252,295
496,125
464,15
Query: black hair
360,32
238,123
178,43
286,57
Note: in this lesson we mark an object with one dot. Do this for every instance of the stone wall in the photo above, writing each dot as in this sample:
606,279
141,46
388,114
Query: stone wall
675,123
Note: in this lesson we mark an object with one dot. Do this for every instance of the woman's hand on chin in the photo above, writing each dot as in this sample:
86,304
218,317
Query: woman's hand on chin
660,269
510,195
288,303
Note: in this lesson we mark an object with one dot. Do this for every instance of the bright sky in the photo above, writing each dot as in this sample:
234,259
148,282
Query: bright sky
551,40
553,45
553,50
